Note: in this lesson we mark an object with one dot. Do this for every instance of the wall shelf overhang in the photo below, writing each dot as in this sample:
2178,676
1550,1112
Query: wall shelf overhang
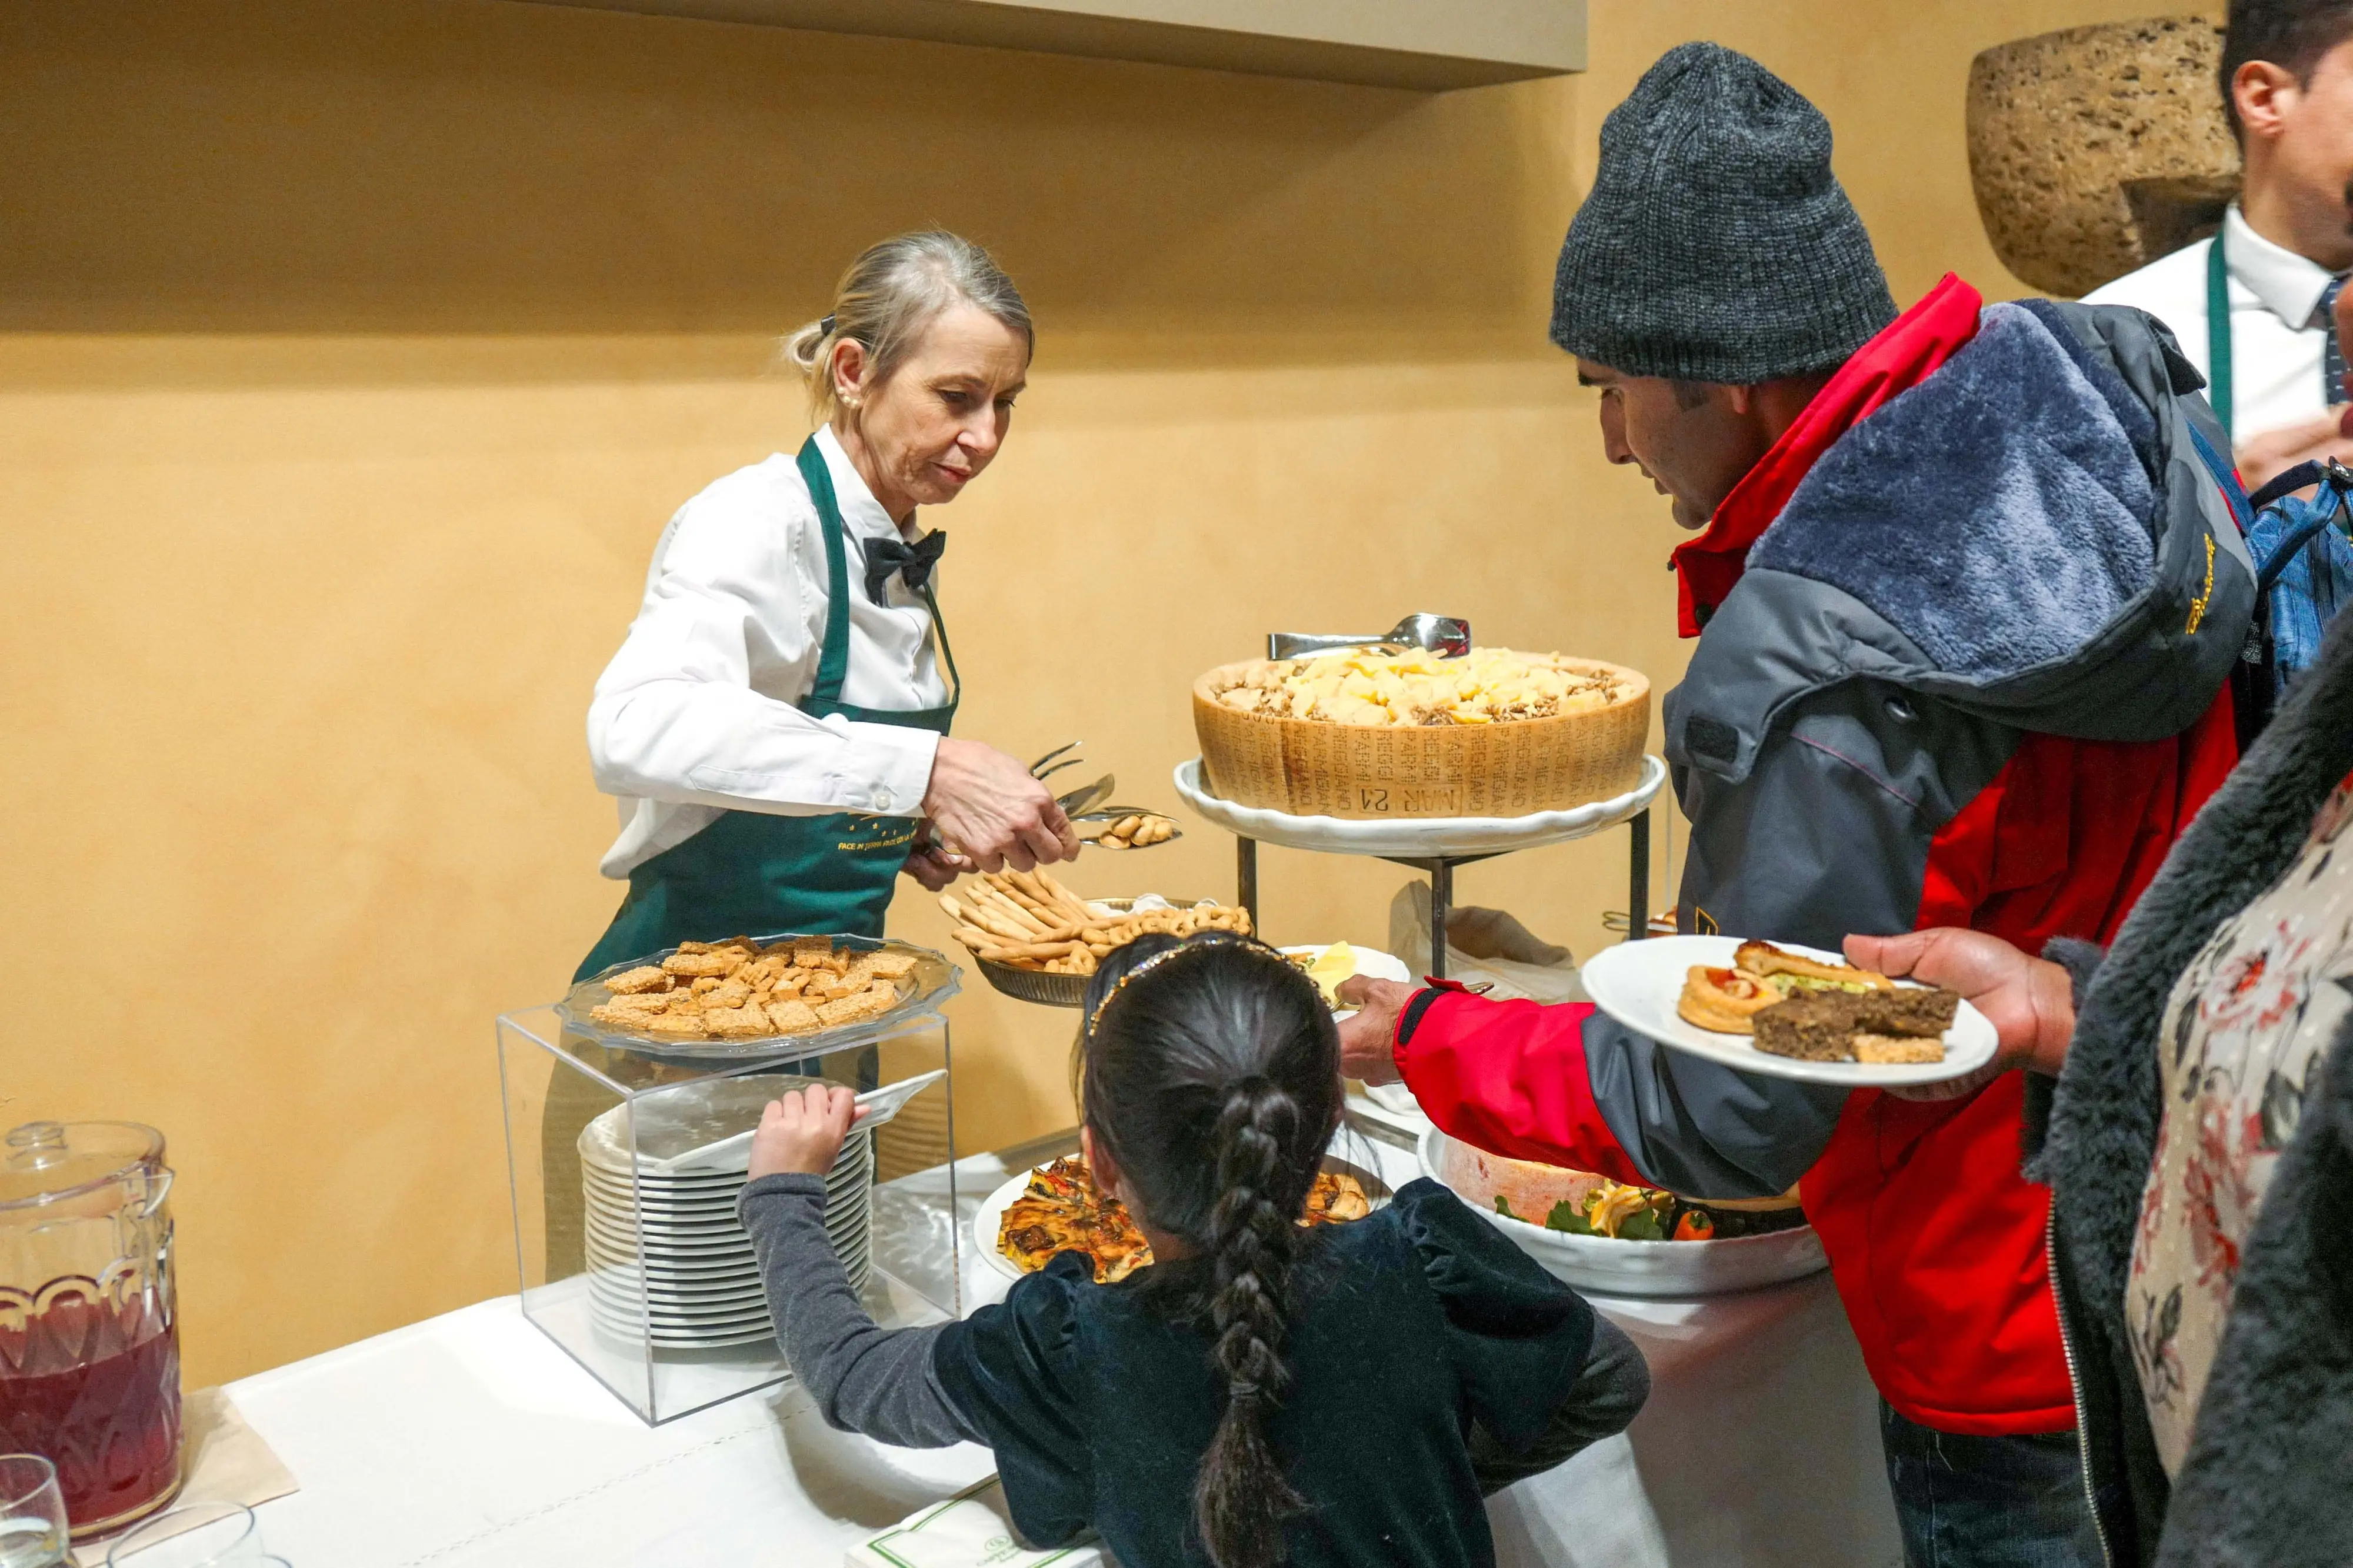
1433,45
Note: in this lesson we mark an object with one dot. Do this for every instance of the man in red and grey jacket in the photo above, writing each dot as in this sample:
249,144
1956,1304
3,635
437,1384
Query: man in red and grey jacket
1968,591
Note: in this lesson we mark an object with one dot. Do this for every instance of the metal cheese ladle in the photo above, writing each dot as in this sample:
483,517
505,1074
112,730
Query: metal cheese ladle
1448,636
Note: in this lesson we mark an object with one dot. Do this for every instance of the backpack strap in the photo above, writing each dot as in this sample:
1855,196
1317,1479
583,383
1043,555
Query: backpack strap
2294,479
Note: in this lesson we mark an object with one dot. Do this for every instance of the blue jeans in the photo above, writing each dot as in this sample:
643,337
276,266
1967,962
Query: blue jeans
1987,1502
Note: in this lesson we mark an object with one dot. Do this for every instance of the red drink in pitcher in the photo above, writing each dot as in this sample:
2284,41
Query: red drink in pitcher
95,1389
89,1343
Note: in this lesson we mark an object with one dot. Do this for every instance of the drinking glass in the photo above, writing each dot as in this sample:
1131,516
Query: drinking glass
193,1535
31,1513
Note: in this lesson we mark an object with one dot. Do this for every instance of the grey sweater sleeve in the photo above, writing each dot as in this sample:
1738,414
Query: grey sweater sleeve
865,1378
1602,1404
2081,960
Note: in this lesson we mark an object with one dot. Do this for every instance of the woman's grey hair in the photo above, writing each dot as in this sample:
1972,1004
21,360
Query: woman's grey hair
886,298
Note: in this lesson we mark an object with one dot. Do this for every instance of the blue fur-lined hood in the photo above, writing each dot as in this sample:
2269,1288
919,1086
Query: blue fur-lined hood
2031,533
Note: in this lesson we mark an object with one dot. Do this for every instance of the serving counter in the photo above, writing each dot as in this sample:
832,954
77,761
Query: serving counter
471,1439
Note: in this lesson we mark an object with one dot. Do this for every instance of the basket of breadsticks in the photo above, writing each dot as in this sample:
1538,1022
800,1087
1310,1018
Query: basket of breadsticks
1377,732
1037,941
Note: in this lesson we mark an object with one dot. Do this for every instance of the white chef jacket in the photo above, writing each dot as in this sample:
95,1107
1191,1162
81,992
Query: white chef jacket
2276,332
695,716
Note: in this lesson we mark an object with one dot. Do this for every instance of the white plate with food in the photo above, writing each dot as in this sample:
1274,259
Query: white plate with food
1784,1011
1328,963
989,1222
1645,1258
1080,1221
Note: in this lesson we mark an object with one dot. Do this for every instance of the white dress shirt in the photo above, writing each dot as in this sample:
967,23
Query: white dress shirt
2275,331
695,716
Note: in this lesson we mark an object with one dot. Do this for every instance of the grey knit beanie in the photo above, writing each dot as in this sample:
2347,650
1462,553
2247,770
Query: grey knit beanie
1715,244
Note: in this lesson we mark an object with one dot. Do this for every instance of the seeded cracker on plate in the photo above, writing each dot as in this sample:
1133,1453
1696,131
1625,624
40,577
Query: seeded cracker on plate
737,990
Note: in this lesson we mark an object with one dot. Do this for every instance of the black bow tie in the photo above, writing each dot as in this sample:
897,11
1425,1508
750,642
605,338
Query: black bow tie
913,562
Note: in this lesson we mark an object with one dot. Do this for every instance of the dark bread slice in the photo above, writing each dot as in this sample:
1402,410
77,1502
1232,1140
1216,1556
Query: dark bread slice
1822,1026
1812,1026
1905,1012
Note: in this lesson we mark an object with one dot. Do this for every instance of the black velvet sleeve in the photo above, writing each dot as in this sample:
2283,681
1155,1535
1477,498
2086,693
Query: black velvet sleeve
1010,1370
1517,1339
1609,1393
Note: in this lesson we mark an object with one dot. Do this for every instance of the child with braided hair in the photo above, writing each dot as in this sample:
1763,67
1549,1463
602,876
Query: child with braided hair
1263,1394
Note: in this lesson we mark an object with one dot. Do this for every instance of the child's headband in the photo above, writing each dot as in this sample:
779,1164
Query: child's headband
1194,943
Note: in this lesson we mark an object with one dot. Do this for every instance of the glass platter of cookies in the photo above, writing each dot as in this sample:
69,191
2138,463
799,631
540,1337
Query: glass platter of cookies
749,997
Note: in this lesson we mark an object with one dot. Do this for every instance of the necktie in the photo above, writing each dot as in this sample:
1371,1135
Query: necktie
911,563
2332,349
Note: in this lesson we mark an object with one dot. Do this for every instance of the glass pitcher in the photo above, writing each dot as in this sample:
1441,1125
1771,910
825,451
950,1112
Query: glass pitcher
89,1343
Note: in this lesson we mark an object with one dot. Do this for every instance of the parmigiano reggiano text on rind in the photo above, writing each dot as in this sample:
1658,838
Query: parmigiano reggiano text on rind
1419,762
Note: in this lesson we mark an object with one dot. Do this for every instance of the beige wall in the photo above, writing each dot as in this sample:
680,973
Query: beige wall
352,356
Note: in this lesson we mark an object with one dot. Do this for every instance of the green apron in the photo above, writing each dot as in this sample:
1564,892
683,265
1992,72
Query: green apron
754,873
2220,372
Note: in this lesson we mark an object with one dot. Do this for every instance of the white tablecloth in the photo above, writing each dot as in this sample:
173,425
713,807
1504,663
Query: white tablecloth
471,1439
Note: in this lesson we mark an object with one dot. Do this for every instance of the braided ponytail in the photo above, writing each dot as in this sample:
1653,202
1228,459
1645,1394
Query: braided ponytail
1214,1081
1241,1496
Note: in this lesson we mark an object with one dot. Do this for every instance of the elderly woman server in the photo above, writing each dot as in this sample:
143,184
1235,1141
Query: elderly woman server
774,726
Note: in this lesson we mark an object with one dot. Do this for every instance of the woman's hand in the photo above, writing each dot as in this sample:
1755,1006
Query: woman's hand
1369,1040
992,813
935,868
2031,1002
802,1132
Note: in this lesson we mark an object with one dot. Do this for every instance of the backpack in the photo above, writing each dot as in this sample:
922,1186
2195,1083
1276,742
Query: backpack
2303,551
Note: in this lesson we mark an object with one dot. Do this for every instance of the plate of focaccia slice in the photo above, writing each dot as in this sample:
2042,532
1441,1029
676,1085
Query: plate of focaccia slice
1058,1208
1784,1011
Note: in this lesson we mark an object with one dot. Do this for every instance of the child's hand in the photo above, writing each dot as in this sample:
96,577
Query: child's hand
802,1132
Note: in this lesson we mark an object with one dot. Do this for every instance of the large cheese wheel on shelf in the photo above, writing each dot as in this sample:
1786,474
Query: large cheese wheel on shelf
1514,767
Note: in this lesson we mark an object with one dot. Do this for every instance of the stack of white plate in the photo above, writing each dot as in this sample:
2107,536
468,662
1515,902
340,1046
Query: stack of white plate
667,1260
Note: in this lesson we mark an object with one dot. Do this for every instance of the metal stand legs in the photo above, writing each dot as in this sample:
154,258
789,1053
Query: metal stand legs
1440,870
1246,877
1638,879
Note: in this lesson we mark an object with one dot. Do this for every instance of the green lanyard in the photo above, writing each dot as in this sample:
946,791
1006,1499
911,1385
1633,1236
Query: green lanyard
2218,332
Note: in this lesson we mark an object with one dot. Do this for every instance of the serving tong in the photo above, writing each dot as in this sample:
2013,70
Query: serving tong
1448,636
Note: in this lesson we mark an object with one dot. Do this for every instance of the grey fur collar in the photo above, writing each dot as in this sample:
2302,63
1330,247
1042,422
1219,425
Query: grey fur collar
2104,1113
1999,514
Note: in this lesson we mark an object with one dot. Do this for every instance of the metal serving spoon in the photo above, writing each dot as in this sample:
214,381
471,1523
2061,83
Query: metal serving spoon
1448,636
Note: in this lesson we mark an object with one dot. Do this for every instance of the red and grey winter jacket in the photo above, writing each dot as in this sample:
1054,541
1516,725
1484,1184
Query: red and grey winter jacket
1968,667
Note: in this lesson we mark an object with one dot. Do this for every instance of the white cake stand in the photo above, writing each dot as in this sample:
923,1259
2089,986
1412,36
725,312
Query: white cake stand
1433,843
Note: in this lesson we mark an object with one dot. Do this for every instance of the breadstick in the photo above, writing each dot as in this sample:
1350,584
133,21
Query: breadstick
1027,886
998,896
1060,893
1035,903
955,909
1043,925
1040,948
1004,906
988,919
981,943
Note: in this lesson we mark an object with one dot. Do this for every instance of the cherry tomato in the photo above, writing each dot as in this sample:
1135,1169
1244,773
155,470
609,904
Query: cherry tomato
1694,1227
